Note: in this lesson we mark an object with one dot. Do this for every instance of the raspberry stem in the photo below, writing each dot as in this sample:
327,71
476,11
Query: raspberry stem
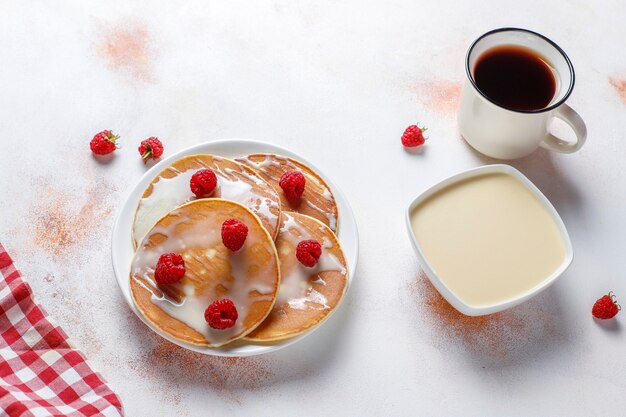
423,129
147,154
614,299
113,138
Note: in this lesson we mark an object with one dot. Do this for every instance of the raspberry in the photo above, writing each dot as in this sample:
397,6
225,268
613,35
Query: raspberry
203,182
151,148
104,143
308,252
292,183
170,269
221,314
606,307
234,234
413,136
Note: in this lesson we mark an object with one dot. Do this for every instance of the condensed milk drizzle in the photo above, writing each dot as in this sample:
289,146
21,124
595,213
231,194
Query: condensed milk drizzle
297,289
232,184
271,160
241,289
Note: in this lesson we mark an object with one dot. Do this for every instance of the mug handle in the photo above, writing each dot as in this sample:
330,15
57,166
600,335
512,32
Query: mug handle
576,123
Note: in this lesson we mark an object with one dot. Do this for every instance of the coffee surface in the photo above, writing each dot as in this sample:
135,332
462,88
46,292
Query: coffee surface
515,77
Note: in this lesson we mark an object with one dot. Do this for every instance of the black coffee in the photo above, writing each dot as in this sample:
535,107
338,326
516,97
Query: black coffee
515,77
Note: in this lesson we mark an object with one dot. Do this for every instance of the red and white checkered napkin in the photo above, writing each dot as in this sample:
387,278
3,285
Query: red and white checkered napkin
40,373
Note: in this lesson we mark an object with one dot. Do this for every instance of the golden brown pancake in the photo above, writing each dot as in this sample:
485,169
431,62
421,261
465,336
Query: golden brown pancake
236,182
307,295
317,200
249,277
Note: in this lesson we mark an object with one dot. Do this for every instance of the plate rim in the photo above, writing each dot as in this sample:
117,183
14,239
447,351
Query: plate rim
118,267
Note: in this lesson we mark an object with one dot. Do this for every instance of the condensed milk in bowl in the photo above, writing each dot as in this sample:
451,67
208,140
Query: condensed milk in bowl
488,239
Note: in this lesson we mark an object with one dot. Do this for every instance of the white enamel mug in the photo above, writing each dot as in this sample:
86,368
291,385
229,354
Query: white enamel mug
504,133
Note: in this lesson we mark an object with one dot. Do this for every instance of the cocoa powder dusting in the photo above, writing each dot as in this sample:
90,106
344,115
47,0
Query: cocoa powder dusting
498,337
224,375
127,47
59,225
441,96
619,84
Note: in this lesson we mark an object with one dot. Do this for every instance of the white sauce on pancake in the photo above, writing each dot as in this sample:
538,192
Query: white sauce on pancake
326,194
332,219
296,289
191,309
169,193
314,300
264,163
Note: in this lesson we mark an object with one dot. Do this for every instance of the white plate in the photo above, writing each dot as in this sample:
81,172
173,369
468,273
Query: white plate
122,246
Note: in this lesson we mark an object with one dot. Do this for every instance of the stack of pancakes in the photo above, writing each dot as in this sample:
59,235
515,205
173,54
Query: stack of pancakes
276,297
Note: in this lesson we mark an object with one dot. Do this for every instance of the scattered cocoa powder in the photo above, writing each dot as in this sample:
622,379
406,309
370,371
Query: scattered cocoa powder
497,336
441,96
128,47
58,225
224,375
619,84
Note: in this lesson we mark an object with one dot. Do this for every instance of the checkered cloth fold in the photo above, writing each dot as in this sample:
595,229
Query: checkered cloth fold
41,374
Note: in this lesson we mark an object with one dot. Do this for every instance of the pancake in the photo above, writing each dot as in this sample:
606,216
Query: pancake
317,200
170,188
307,296
249,277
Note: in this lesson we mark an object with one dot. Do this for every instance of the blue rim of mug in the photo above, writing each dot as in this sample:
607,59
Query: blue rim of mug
511,29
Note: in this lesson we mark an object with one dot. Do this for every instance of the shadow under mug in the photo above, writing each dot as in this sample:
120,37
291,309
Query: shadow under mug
507,134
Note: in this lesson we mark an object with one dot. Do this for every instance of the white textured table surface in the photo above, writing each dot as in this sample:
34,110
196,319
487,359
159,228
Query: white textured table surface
338,82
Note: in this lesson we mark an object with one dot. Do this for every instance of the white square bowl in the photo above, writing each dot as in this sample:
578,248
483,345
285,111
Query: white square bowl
443,289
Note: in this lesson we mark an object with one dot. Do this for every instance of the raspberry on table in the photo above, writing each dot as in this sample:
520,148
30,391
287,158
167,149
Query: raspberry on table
606,307
104,143
150,148
308,252
413,136
221,314
292,183
169,269
203,182
234,234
